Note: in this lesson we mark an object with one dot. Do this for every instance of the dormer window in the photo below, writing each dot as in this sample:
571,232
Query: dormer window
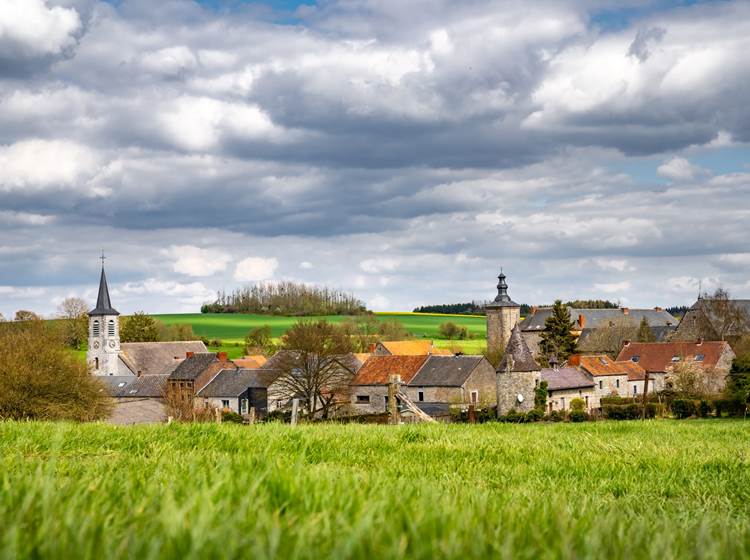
675,359
111,328
96,328
699,357
635,359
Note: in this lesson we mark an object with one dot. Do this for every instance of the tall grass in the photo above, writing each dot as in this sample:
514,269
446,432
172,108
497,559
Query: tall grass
603,490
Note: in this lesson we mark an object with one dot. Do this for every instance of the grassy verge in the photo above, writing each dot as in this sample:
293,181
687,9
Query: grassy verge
660,489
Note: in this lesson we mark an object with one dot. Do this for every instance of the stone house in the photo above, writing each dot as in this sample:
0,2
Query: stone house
565,384
450,380
609,378
518,375
714,319
369,387
660,358
585,321
238,390
138,400
195,372
408,348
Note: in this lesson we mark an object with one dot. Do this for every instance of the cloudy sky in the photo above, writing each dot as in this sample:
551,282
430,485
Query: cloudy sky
403,151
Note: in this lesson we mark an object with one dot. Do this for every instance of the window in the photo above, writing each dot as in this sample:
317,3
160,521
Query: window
363,398
420,396
225,403
587,402
243,406
562,403
95,328
675,358
111,328
603,361
617,383
635,389
536,383
601,384
121,384
699,357
635,359
475,397
96,363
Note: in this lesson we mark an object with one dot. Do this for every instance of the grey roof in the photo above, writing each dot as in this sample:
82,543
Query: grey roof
434,409
566,378
445,371
523,359
502,299
154,358
595,318
661,334
130,386
743,305
193,366
234,382
103,303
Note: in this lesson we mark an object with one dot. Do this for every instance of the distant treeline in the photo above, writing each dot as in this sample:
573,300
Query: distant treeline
678,310
285,298
472,308
592,304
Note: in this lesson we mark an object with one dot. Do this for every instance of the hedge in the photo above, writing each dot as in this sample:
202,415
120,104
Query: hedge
630,411
684,408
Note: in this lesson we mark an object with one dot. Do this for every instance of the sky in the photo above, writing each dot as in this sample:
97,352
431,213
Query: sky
401,151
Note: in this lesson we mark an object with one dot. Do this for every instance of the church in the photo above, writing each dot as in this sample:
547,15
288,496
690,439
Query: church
107,356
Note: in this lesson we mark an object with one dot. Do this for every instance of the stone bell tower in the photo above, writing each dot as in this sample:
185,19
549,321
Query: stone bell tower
104,333
502,315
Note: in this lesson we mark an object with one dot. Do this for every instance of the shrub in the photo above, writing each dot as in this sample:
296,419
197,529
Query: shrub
630,411
279,416
705,408
577,405
215,342
683,408
734,408
616,400
557,416
534,415
513,416
229,416
578,416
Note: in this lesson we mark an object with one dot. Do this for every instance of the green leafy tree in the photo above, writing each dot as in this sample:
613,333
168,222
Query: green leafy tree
393,330
645,334
557,338
540,396
738,380
259,341
451,330
139,327
73,313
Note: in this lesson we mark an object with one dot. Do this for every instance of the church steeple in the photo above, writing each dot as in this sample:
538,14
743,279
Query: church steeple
103,303
502,298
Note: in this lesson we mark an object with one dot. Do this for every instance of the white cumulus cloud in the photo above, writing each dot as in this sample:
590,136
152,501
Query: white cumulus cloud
254,269
680,169
195,261
37,28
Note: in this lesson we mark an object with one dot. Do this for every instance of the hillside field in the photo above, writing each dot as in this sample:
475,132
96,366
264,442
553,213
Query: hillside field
617,490
232,328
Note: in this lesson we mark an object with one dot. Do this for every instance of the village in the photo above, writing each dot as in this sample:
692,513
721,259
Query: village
415,381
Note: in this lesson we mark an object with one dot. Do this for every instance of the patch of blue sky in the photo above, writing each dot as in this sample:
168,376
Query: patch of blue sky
615,19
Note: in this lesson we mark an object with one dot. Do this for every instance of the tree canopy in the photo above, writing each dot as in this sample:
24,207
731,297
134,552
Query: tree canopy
139,327
557,338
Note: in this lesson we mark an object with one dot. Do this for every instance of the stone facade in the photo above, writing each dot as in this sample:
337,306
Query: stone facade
500,322
655,384
512,384
369,399
479,388
560,399
609,385
103,354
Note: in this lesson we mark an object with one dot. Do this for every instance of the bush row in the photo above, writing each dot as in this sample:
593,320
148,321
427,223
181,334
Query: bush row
704,408
630,411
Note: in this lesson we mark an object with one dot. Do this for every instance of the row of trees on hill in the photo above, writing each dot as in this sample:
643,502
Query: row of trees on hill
478,307
285,298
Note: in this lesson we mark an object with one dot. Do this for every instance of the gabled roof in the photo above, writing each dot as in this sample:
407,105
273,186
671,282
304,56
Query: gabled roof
234,382
566,378
518,350
378,368
251,362
103,303
412,348
595,318
635,371
446,371
154,358
193,366
129,386
658,357
597,365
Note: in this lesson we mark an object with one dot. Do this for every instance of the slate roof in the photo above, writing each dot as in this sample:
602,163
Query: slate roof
523,359
129,386
566,378
232,383
661,334
436,410
193,366
378,368
153,358
595,318
445,371
703,304
657,357
103,303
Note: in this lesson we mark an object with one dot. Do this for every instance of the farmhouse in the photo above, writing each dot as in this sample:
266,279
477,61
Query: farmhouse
107,356
660,358
195,372
370,385
238,390
611,378
450,380
565,384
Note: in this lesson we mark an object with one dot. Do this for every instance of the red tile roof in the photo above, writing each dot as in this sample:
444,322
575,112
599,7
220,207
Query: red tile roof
376,369
601,364
659,356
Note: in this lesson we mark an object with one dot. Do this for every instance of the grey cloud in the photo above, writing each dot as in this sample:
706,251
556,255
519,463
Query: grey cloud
644,41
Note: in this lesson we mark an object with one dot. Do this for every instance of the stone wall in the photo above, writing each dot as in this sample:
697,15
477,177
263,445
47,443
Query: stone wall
560,400
377,395
500,323
608,385
510,385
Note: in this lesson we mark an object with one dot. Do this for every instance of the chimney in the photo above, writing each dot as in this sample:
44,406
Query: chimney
582,320
222,356
189,354
658,309
533,309
699,342
626,311
625,343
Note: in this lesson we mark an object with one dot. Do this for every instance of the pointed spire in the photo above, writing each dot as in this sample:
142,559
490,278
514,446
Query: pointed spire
502,299
103,303
517,354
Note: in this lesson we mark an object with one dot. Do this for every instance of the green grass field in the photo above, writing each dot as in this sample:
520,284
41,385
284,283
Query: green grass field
657,489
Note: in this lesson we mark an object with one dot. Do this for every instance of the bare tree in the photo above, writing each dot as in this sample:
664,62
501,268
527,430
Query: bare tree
719,317
692,379
314,365
2,318
73,312
608,339
26,315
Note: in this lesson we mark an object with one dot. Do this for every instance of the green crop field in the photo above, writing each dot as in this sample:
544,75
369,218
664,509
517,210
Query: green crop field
655,489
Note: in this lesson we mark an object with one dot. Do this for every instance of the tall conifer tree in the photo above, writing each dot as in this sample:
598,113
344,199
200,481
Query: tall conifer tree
557,338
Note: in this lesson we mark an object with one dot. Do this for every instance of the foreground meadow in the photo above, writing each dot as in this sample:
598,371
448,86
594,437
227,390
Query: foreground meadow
659,489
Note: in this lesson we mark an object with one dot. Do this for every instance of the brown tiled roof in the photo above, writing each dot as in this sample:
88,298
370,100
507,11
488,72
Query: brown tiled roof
598,365
377,369
659,356
251,362
414,348
362,357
